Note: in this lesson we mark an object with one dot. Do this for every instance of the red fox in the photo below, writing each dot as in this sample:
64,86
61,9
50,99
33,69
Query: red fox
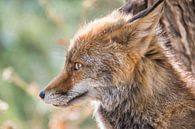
119,62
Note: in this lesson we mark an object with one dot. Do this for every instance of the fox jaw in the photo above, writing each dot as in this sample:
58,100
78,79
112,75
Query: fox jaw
103,57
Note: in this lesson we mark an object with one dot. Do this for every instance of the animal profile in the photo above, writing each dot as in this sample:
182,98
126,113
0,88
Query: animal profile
118,62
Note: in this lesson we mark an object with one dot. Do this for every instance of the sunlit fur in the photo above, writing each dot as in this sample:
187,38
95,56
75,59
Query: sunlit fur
127,72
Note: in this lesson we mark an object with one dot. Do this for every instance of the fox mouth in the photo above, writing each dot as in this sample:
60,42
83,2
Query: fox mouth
64,99
72,100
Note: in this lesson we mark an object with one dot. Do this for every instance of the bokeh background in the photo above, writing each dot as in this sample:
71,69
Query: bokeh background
34,35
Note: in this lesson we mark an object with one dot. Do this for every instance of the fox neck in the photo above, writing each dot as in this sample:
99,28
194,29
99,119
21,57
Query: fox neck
142,100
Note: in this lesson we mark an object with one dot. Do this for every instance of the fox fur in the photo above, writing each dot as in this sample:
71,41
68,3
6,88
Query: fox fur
121,64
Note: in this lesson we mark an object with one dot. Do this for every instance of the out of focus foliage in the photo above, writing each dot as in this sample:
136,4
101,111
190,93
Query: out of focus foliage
33,39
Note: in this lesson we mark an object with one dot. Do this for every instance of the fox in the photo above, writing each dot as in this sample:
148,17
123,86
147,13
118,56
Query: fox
119,63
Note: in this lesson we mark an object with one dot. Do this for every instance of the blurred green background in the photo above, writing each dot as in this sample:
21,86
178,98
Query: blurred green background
34,35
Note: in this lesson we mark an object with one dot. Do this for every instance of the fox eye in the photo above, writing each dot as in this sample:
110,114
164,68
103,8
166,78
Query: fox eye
77,66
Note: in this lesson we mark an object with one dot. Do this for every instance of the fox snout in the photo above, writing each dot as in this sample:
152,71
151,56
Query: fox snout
61,91
57,87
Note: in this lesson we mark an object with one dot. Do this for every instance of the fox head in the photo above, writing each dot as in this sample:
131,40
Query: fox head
103,58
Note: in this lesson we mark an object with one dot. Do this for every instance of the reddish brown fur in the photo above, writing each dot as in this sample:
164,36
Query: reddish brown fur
124,67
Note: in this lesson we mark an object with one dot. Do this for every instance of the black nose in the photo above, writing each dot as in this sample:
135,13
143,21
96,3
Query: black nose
42,94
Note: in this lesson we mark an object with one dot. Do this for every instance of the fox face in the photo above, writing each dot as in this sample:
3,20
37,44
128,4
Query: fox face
86,76
103,57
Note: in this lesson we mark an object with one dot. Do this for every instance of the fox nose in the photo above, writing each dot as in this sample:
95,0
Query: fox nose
42,94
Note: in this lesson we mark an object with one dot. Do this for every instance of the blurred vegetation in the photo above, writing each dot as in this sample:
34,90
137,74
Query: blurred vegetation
34,35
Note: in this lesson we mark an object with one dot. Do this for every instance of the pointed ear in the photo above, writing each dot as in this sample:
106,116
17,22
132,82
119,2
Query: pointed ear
155,8
140,30
143,26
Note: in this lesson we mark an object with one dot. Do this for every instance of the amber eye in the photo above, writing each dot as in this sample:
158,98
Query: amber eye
77,66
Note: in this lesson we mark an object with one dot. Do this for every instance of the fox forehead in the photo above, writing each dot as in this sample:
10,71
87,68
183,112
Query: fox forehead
99,28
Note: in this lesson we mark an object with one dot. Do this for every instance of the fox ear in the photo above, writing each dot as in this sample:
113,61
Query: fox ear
143,26
140,30
150,12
